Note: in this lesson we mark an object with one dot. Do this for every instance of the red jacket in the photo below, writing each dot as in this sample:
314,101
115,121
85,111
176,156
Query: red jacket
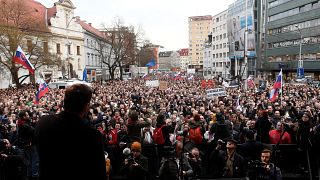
274,136
113,137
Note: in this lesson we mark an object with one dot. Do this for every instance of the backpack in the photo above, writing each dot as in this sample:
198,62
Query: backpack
158,136
196,135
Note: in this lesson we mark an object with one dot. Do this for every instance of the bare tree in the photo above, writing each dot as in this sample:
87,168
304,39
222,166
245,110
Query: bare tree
144,54
21,24
123,47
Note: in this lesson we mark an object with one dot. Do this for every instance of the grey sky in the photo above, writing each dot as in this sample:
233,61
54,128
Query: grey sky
164,22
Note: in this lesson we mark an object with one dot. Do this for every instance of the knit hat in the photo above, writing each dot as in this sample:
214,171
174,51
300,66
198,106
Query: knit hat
136,146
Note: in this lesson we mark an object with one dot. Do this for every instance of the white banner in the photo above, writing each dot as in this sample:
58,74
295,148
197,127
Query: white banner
191,71
154,83
216,92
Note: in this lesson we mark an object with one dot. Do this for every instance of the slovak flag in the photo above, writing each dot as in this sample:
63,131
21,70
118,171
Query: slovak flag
42,90
276,87
21,58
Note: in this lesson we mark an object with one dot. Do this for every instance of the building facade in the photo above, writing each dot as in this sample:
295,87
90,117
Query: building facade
199,28
291,23
67,41
184,59
168,60
242,37
95,48
220,50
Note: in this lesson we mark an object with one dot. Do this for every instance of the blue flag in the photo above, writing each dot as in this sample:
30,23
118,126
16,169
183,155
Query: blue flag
84,75
151,63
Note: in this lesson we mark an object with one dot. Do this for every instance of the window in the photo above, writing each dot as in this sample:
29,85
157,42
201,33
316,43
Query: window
225,35
69,49
224,45
29,44
45,47
58,48
78,50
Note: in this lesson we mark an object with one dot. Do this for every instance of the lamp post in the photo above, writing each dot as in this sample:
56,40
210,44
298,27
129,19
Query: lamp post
68,44
300,64
300,70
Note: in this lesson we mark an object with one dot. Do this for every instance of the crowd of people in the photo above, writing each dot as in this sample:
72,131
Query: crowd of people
178,132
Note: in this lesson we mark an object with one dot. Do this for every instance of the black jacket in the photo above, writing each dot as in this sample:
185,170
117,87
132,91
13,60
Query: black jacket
69,149
218,164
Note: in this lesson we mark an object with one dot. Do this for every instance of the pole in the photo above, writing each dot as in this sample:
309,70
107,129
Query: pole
281,89
101,78
245,47
300,60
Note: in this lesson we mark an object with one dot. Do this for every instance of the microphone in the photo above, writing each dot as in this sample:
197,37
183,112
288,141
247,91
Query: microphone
126,151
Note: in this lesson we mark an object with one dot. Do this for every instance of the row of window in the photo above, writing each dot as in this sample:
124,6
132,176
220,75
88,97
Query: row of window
314,56
220,18
239,7
220,55
219,37
30,46
296,42
221,64
277,3
58,48
219,28
219,46
93,60
295,27
291,12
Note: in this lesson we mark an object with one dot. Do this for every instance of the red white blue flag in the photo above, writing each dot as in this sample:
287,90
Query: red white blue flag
42,90
276,87
22,59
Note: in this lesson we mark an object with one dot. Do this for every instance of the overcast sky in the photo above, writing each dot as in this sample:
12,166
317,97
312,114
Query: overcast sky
164,22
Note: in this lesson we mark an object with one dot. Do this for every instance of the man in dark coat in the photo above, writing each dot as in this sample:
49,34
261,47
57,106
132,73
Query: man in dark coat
68,147
251,149
228,163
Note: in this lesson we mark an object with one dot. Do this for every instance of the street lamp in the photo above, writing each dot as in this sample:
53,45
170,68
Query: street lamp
68,43
300,62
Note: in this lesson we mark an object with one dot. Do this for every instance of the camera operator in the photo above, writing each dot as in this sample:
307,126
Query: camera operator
195,162
175,165
266,170
227,163
11,161
135,165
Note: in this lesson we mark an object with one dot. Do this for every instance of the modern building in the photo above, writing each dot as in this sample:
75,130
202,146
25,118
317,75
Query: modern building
168,60
199,28
95,47
220,49
242,37
184,59
293,34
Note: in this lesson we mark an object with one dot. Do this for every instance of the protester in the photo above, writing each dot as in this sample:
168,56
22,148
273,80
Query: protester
182,106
